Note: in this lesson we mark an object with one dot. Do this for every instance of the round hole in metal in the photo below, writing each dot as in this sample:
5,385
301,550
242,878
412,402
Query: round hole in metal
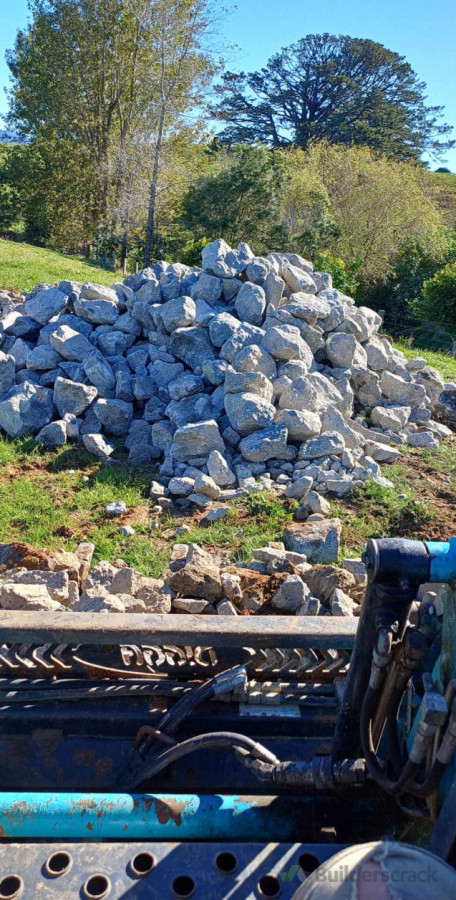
183,887
142,864
269,886
58,863
226,862
97,887
308,862
11,887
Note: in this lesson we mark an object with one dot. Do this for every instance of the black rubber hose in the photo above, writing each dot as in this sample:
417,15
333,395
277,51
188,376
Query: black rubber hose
216,740
392,711
431,783
375,770
170,722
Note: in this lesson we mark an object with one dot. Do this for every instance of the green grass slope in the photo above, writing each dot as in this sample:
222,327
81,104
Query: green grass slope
23,266
444,363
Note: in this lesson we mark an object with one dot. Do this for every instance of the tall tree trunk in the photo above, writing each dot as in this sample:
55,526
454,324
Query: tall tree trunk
150,233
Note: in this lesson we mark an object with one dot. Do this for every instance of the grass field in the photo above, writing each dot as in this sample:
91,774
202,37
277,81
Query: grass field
57,499
23,266
445,364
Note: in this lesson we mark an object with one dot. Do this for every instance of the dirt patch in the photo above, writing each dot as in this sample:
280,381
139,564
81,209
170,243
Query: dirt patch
431,515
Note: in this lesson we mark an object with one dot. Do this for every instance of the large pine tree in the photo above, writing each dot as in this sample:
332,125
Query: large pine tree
346,90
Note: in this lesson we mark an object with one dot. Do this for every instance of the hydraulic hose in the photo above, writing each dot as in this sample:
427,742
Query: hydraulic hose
374,768
396,755
216,740
149,746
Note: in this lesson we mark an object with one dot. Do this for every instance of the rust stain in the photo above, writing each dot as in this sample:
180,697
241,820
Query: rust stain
2,832
83,757
89,826
103,766
165,812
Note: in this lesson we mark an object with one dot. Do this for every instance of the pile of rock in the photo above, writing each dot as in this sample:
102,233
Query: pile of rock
281,580
250,371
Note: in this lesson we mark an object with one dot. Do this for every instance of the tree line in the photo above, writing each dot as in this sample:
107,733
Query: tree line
128,134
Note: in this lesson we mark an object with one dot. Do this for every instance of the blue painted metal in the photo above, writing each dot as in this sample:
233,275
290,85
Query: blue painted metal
73,816
197,861
443,560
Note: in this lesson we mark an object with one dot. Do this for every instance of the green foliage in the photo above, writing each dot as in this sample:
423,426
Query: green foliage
56,196
438,302
369,206
344,275
239,197
445,186
9,195
342,89
430,337
22,267
413,264
100,91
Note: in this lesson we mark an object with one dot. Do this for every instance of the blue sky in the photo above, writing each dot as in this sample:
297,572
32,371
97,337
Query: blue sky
421,31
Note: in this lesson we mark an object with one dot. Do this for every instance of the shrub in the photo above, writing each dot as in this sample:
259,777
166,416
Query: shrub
438,303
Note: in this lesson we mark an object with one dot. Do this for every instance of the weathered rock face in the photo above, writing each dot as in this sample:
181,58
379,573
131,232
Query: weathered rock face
25,408
24,556
196,575
27,597
257,359
324,580
319,541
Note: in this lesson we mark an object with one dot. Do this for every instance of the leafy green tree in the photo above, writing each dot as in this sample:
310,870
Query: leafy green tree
176,31
376,204
55,194
10,207
438,302
72,71
239,197
342,89
401,291
110,81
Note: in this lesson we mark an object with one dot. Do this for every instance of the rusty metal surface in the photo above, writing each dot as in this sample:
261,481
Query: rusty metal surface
287,632
198,867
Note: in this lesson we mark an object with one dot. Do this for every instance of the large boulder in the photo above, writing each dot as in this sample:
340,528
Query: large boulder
285,342
114,415
197,440
192,345
70,344
248,412
268,443
249,382
406,393
25,408
7,373
46,304
301,425
319,541
97,312
73,397
251,303
196,575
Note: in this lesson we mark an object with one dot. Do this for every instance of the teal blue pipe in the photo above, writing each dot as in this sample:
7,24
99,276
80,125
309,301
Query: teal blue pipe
144,817
442,560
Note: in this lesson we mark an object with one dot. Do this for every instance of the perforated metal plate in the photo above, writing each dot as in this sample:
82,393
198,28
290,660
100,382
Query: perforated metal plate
157,871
